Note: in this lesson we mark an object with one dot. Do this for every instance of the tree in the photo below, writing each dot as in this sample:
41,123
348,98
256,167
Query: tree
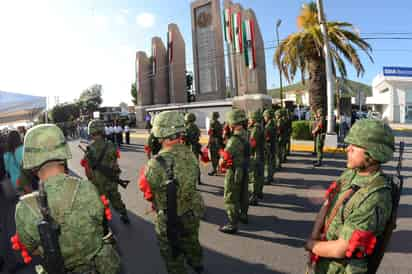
303,51
65,113
133,92
90,99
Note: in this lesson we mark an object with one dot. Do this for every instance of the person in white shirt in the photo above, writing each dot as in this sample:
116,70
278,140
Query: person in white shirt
127,134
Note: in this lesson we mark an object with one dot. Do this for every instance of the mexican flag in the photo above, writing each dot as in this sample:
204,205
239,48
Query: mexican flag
237,31
249,43
154,62
170,46
227,28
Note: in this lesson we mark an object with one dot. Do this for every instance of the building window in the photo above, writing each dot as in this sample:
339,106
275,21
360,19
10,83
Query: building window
384,90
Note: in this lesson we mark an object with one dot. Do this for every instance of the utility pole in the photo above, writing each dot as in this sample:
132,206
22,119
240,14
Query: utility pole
329,71
280,70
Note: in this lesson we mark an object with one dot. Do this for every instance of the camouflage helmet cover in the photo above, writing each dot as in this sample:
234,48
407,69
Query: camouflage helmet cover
268,113
44,143
375,137
215,115
190,117
255,115
168,123
236,117
95,127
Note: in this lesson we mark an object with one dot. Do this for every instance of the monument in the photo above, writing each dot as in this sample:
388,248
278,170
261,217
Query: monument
177,65
143,85
248,66
160,72
208,54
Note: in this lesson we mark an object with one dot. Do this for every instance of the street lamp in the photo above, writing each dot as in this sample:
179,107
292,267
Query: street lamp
280,70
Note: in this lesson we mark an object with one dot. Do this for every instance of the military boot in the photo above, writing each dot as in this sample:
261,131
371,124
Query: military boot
253,200
229,229
244,219
317,163
212,173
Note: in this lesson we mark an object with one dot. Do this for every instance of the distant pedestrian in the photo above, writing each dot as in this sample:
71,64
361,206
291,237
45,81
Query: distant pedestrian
127,134
13,157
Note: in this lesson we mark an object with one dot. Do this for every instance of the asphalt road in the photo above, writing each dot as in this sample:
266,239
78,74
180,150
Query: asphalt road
273,240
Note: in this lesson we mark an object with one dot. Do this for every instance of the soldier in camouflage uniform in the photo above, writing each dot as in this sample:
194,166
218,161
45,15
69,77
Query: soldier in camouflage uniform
104,154
192,134
358,204
215,141
74,204
178,196
288,118
270,145
235,160
318,132
256,164
152,146
281,138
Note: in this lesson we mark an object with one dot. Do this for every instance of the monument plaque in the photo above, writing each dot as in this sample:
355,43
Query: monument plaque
208,54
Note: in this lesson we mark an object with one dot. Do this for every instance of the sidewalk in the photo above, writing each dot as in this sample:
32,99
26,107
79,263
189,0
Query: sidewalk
401,127
296,145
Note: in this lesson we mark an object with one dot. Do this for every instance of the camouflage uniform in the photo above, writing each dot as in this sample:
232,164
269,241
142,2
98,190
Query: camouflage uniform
270,145
106,185
74,204
320,130
153,182
288,116
192,134
235,158
215,141
369,207
281,138
256,164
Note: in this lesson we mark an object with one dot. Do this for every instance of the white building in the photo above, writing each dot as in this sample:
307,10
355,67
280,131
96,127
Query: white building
392,94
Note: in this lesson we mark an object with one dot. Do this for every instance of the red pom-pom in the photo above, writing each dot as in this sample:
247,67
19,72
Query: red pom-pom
118,153
252,142
144,185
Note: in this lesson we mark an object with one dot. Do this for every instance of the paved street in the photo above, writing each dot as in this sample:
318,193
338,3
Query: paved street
272,241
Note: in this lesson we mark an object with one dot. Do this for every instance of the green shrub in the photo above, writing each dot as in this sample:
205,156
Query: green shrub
302,130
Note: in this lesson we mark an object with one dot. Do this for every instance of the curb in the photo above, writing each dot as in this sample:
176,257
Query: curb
294,147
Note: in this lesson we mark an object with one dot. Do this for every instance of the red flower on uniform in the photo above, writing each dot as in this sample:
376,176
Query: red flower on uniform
17,245
144,185
106,204
362,243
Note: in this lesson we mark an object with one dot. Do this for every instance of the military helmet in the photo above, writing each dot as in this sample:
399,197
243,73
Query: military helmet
190,117
236,117
95,127
268,113
44,143
278,113
375,137
168,123
319,111
215,115
255,115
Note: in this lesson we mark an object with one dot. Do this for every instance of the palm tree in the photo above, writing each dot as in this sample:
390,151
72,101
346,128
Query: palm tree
303,51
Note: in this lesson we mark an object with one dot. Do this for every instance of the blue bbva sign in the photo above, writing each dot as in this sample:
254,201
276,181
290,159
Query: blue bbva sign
397,71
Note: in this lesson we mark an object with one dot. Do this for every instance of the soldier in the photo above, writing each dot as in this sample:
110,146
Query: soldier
358,205
280,132
74,205
192,135
288,116
256,164
104,171
235,160
169,182
318,132
270,145
152,146
215,141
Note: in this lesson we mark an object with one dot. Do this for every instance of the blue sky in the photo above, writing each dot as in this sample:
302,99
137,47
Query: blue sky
59,48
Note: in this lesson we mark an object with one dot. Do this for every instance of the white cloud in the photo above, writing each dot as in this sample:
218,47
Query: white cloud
145,20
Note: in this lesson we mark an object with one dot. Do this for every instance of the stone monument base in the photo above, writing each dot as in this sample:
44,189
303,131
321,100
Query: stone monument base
140,115
252,102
